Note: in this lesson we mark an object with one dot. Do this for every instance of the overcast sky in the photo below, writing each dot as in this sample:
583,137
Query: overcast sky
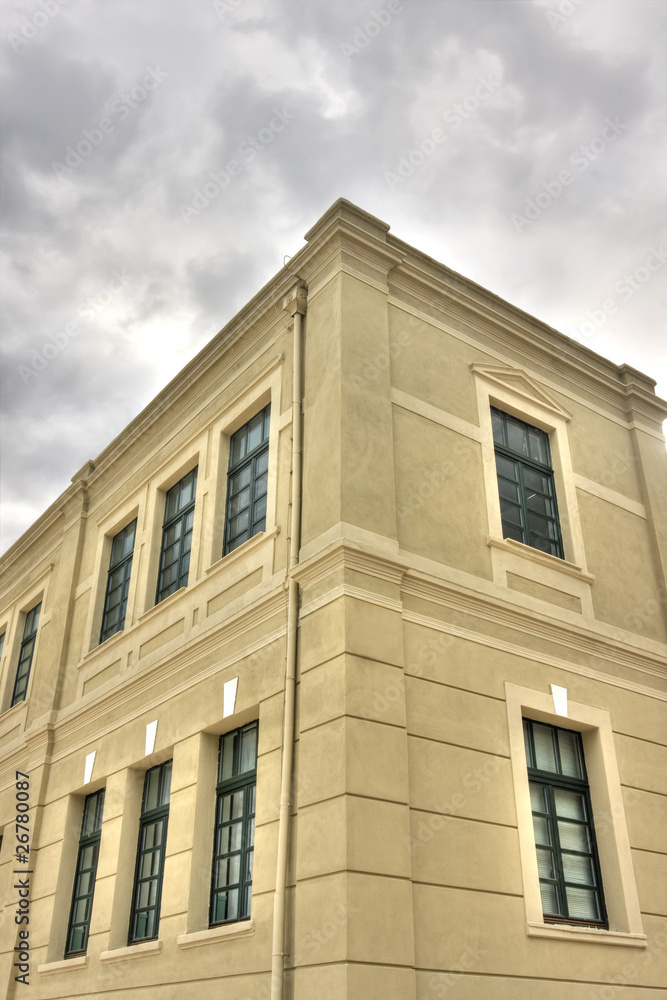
521,143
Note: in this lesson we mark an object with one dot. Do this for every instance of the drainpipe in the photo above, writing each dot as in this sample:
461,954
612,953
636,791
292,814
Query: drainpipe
295,305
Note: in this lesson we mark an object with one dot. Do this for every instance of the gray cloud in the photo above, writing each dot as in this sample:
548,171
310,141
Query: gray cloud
355,104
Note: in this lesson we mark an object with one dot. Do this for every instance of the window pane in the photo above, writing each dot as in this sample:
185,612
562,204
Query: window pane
506,468
569,754
573,836
537,446
497,425
239,502
151,789
507,490
516,437
511,513
536,481
549,898
582,904
230,838
545,866
570,805
578,868
248,751
545,757
538,798
542,831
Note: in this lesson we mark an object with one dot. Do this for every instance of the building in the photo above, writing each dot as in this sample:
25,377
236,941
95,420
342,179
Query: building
380,573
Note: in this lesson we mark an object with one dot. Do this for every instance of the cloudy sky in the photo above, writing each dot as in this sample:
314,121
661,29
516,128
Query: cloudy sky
520,142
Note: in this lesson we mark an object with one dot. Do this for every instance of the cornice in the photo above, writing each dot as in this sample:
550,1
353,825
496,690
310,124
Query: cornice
532,654
456,296
342,554
493,609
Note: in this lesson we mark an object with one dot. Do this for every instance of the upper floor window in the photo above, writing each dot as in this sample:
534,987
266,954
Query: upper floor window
567,861
247,481
526,484
234,842
179,512
2,643
118,581
25,656
145,916
86,871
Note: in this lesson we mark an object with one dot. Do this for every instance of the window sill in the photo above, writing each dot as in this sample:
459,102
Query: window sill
132,951
242,928
164,603
570,932
542,558
65,965
251,543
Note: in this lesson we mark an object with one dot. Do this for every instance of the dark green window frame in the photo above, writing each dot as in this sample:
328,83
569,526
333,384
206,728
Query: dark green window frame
179,513
149,870
247,481
528,507
234,836
567,856
118,581
78,928
26,654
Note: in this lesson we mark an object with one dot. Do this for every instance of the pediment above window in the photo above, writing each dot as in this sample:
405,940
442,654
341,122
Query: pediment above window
518,381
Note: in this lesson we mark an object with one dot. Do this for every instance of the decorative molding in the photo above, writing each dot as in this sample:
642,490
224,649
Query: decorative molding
611,496
193,939
543,558
525,653
588,935
518,381
435,414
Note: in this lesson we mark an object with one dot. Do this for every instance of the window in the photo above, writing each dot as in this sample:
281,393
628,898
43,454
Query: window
526,484
247,481
567,860
179,512
84,878
118,581
231,885
26,654
2,643
147,893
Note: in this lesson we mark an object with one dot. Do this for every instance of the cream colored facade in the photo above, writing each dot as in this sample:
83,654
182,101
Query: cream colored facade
424,637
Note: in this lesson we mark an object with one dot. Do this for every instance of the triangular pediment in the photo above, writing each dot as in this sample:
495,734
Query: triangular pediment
521,384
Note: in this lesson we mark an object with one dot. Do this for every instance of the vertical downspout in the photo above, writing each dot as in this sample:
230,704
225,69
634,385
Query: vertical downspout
295,304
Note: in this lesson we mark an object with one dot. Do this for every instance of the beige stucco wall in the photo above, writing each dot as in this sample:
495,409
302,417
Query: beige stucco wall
408,874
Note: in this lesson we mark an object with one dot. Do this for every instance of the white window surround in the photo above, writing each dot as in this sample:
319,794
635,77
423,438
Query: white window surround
618,878
107,530
240,409
514,391
13,640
